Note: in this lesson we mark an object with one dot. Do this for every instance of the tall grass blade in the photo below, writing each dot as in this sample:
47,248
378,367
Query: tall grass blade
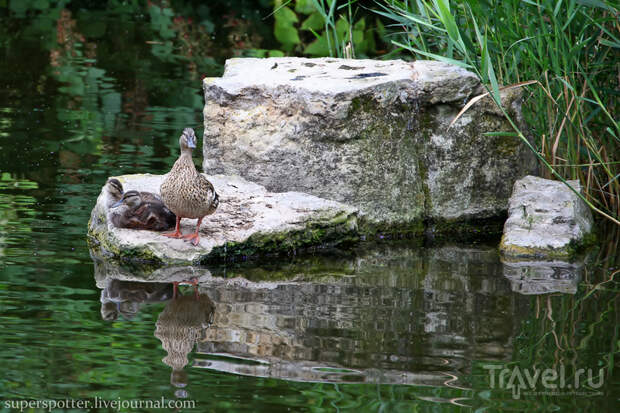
433,56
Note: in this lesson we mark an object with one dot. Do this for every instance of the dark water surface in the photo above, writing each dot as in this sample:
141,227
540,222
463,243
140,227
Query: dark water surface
389,327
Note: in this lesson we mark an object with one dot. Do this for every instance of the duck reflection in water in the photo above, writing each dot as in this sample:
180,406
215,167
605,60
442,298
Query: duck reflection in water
179,327
126,297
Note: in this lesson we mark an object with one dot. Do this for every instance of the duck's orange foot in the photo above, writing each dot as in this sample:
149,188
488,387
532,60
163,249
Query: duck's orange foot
175,234
194,238
177,230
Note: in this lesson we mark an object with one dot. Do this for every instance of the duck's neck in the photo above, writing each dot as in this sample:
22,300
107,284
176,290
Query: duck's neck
185,160
186,154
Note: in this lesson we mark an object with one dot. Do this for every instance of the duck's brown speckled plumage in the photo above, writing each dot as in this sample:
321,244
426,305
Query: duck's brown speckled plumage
186,192
135,212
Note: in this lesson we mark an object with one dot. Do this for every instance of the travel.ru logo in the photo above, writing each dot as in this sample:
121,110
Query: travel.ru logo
554,381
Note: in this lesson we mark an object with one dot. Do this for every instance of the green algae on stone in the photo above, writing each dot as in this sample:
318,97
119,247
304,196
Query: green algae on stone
342,229
572,250
370,229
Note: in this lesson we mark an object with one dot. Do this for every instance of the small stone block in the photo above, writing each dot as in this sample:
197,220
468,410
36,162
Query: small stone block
545,219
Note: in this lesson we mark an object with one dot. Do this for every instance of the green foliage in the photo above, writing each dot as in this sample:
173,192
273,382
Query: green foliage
161,21
323,28
261,53
362,40
284,28
314,22
20,8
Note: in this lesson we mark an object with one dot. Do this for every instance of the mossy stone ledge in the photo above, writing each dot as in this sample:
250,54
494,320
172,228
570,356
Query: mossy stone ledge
250,221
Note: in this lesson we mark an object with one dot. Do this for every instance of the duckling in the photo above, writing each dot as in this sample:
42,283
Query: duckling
186,192
132,211
114,192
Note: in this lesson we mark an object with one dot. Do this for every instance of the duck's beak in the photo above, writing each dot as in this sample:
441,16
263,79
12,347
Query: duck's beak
117,204
191,143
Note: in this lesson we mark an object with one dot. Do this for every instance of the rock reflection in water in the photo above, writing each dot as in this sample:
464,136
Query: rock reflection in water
543,277
126,297
388,315
410,317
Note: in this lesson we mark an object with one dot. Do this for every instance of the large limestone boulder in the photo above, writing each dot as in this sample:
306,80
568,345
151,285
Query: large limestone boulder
249,221
546,220
372,134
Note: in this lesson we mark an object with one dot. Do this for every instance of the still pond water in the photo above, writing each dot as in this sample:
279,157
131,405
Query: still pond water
390,327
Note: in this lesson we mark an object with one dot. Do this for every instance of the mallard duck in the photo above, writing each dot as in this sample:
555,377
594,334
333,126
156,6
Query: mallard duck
186,192
133,211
